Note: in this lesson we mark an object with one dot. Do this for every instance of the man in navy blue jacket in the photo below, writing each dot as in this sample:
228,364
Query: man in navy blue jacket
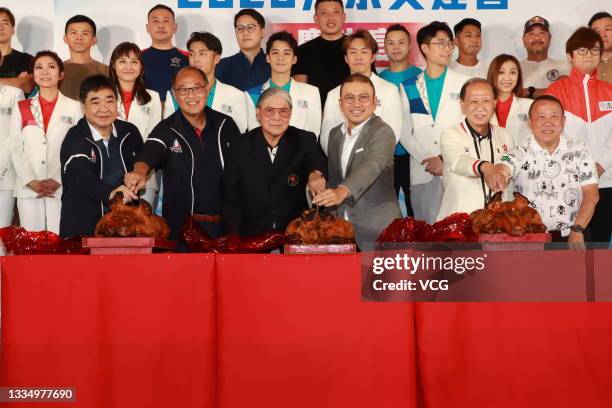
190,147
95,155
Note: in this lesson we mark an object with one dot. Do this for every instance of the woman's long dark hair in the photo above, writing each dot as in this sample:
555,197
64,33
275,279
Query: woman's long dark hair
124,50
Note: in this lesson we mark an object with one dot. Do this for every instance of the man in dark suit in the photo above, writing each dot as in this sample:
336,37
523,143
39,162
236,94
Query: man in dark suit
360,157
268,170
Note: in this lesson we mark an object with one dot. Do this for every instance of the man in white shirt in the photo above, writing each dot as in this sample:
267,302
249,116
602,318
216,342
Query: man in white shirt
468,39
556,174
360,52
361,163
470,150
538,70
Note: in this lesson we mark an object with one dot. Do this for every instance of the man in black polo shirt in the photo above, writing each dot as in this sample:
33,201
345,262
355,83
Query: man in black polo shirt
190,147
14,65
320,62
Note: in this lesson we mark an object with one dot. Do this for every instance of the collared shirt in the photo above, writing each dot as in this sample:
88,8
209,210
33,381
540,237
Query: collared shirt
256,91
47,108
126,100
112,169
350,138
502,110
211,95
552,181
240,73
398,77
434,91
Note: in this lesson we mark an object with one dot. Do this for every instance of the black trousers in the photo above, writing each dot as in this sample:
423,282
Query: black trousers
601,223
402,180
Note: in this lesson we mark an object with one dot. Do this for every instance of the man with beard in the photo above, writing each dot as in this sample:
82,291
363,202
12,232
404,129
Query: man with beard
539,71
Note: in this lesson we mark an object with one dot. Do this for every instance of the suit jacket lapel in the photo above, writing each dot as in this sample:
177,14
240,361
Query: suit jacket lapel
286,147
444,94
260,151
361,140
56,115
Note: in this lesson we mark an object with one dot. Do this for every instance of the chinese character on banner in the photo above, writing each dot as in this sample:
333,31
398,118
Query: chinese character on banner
362,4
307,35
379,36
492,4
449,5
399,3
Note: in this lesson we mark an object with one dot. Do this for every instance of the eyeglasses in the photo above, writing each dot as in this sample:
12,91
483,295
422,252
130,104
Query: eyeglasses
584,50
249,28
269,112
443,44
197,90
350,98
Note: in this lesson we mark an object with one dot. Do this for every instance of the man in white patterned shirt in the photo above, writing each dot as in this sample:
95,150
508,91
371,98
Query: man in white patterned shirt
557,175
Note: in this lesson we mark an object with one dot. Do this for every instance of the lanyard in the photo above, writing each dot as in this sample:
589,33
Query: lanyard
475,138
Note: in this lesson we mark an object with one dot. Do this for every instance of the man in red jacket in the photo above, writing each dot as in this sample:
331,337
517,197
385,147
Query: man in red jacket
588,110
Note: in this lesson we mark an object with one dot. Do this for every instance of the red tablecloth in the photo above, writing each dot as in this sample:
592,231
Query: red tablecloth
291,331
125,331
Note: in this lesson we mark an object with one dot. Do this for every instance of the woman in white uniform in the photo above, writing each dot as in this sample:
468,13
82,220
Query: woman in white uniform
9,96
136,104
37,130
511,112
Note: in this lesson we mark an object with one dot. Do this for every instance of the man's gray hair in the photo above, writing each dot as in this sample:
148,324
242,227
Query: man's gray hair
274,91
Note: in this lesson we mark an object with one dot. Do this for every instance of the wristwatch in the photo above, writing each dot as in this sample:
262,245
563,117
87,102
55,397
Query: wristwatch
530,92
577,228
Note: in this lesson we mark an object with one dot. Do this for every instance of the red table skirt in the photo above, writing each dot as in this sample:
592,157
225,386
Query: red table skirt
284,331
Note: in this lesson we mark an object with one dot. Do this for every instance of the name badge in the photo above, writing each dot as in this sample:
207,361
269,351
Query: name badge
605,106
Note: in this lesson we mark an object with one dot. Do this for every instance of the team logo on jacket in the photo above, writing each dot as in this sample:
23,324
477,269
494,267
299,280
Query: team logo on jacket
146,110
292,180
552,75
605,106
92,156
455,96
6,110
523,117
176,147
226,109
67,120
175,62
302,104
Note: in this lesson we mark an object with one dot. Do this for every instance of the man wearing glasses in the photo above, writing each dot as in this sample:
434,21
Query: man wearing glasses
248,67
360,163
360,52
190,148
588,110
433,99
